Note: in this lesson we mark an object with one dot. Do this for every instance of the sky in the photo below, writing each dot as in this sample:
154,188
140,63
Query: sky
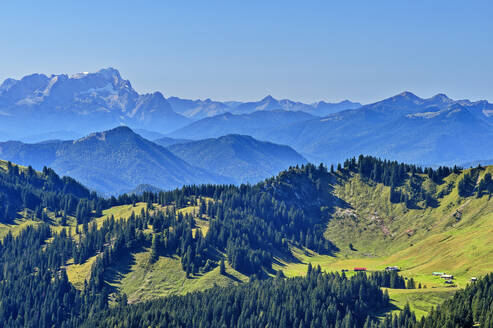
238,50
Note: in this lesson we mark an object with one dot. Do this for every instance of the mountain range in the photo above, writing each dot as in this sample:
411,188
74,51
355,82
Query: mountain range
427,131
82,102
118,160
86,102
433,131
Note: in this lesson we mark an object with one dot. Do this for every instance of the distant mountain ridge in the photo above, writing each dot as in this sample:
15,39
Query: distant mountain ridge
198,109
84,102
256,124
320,108
243,158
405,127
111,162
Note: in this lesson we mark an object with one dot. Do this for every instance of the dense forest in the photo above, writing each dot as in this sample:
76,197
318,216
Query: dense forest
34,288
316,300
37,192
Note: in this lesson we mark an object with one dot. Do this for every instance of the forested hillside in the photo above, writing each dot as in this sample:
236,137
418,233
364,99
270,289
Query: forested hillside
37,193
102,254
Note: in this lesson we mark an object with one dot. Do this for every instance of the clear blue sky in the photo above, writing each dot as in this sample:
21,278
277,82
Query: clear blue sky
232,50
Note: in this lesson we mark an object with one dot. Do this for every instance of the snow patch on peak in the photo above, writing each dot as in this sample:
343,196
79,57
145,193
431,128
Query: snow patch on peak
79,75
54,79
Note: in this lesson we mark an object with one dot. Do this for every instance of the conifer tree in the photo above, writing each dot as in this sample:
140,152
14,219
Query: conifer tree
222,267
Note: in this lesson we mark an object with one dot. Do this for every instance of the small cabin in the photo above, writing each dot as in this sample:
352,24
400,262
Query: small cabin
473,279
359,269
447,276
449,282
438,273
392,268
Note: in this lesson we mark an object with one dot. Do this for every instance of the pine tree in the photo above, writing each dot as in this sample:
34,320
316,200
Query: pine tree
154,249
222,267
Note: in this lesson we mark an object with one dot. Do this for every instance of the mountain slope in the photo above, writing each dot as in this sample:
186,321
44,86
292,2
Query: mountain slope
242,158
167,141
83,102
111,162
356,213
450,236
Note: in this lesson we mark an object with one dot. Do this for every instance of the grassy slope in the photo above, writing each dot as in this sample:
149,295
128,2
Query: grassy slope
15,227
140,280
419,241
3,165
421,301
